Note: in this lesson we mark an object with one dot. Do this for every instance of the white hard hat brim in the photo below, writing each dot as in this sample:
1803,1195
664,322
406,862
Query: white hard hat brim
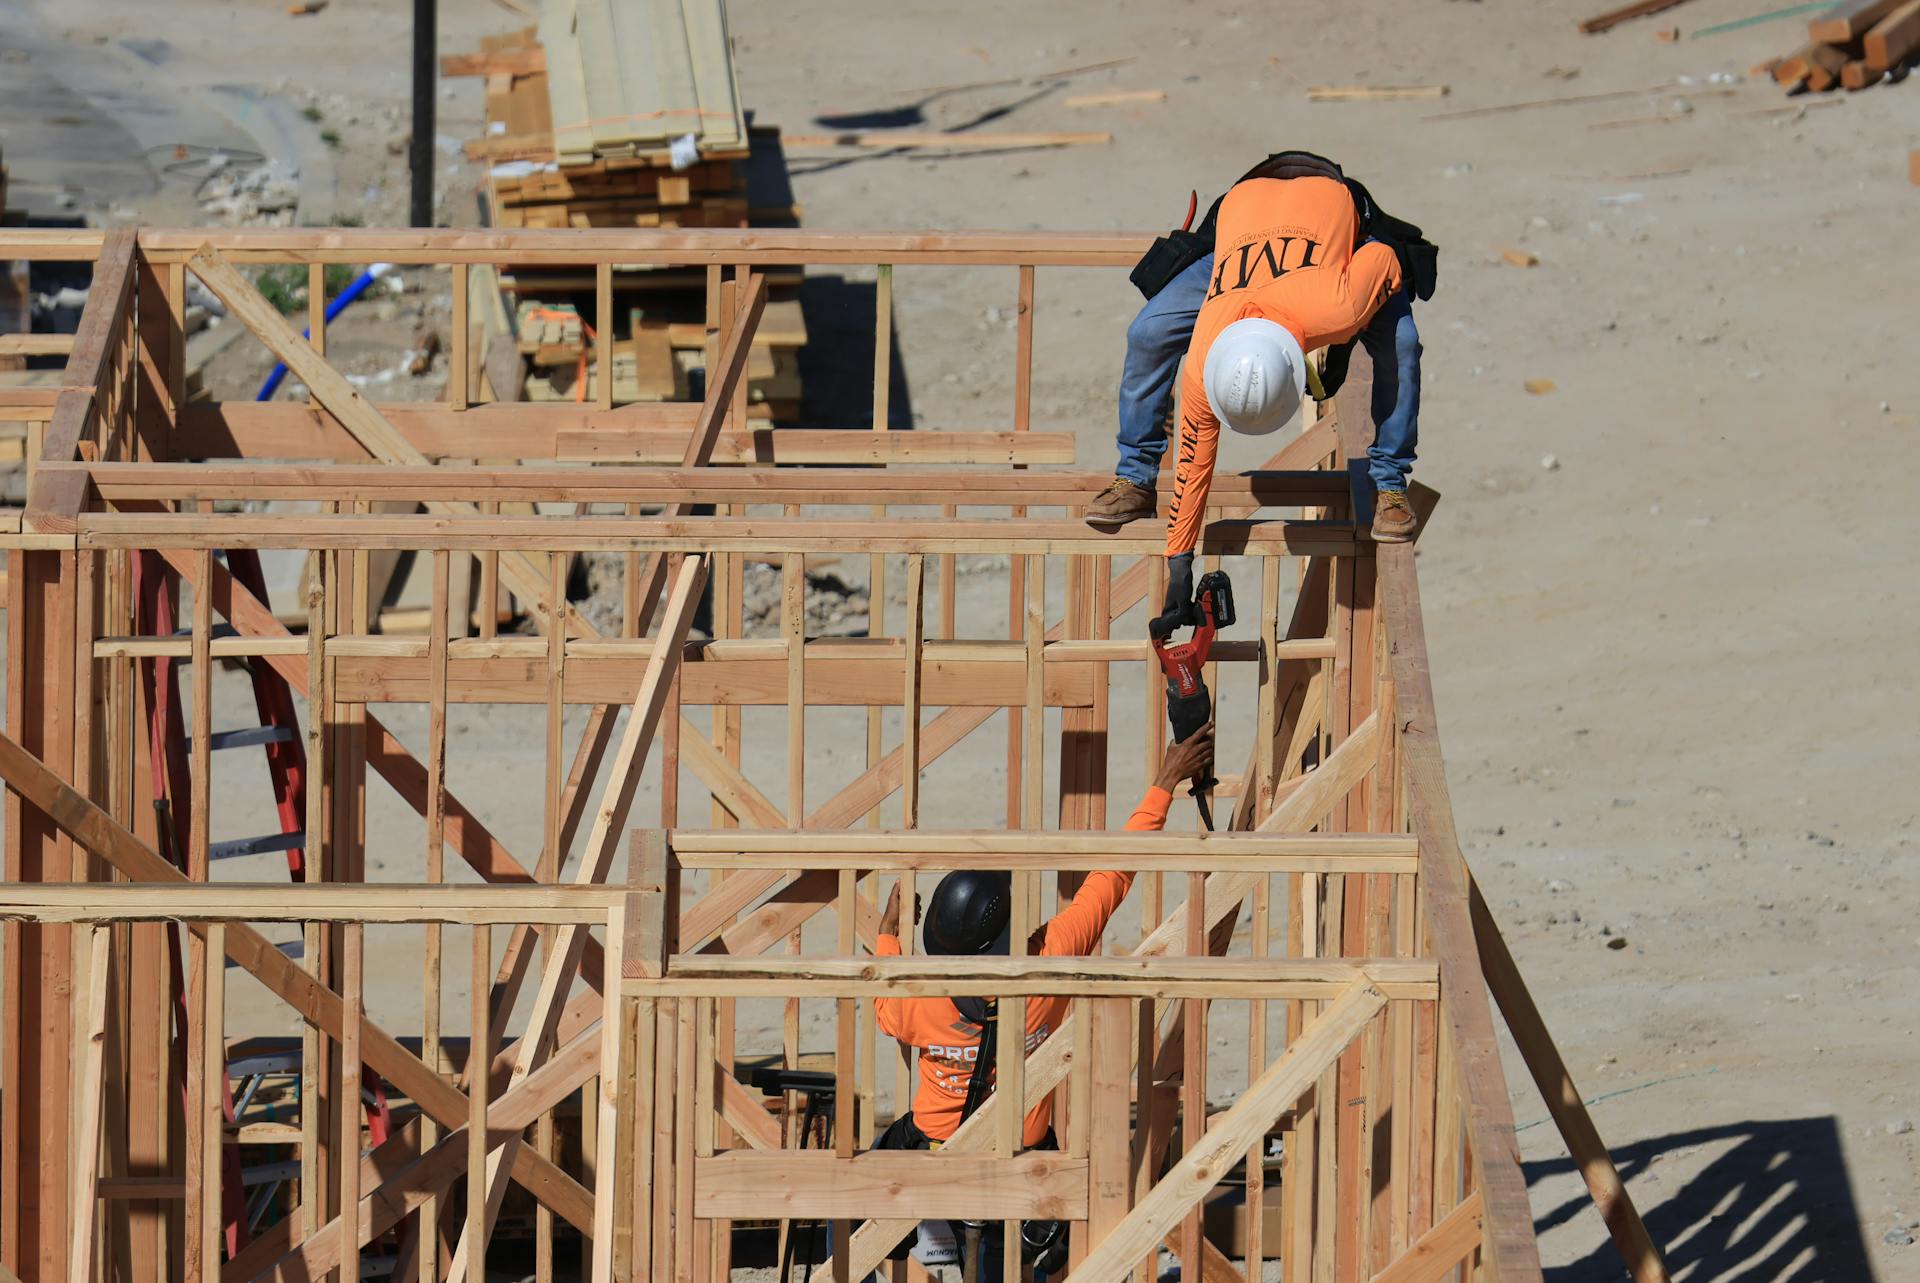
1254,376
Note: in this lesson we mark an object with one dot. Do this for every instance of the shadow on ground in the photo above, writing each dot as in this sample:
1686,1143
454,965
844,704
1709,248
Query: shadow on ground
836,365
1774,1206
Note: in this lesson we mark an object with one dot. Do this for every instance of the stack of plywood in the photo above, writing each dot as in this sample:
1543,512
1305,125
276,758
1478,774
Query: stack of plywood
1855,44
626,115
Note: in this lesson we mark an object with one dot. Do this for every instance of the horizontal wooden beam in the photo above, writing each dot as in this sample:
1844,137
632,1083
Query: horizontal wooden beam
480,533
35,344
894,850
51,244
536,904
920,975
843,682
851,486
745,1184
653,434
759,246
584,248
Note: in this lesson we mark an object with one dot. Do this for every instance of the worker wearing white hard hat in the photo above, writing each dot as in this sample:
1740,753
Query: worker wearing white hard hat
1291,273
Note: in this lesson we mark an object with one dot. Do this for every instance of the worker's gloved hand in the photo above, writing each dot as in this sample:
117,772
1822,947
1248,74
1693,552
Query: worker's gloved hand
1177,611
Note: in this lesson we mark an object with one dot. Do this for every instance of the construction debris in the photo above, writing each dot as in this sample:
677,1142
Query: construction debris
661,164
1374,93
1119,98
1613,18
960,142
1855,44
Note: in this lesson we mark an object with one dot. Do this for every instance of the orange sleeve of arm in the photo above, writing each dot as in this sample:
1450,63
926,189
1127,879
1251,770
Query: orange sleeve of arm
889,1012
1193,469
1373,279
1075,931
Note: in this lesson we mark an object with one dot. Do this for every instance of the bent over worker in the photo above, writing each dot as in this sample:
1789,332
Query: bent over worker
968,915
1304,255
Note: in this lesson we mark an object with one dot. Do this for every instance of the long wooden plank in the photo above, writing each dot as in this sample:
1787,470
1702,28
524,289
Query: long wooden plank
1562,1097
1146,976
93,828
102,322
86,1166
683,484
1614,17
1510,1247
486,532
1849,20
760,246
1209,1156
1893,40
385,902
846,682
818,1186
648,433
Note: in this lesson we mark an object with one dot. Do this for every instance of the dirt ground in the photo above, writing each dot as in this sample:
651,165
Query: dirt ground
1673,658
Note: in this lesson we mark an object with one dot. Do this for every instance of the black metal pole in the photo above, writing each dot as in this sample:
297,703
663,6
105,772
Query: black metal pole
420,151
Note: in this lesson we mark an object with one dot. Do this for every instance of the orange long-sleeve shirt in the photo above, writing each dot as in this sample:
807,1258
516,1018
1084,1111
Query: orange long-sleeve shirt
1283,250
949,1044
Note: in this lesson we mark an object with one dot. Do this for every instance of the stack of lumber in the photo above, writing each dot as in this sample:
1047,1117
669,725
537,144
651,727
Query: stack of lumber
665,145
617,193
1855,44
662,359
632,182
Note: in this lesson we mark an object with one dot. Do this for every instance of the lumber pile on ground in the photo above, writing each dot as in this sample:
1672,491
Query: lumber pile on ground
665,151
1854,45
637,180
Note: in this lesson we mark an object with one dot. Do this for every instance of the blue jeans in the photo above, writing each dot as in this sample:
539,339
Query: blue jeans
1158,338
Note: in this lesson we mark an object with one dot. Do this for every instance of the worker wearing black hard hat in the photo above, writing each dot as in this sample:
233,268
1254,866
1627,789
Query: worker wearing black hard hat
969,913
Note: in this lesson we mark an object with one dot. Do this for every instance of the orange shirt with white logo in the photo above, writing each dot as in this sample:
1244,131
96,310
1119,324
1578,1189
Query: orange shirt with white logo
949,1044
1283,251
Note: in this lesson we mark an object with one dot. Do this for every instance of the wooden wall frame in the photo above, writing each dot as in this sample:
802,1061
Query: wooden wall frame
1378,1069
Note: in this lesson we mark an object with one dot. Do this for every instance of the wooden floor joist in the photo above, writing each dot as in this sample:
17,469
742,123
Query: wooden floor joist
611,1075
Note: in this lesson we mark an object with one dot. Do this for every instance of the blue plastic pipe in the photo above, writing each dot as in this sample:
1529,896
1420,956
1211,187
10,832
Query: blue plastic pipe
339,305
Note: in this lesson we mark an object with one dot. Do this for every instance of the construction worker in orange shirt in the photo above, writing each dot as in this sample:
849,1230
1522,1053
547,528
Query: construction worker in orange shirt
968,915
1294,257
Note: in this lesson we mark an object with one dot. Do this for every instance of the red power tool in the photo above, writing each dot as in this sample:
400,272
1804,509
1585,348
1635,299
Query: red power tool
1189,703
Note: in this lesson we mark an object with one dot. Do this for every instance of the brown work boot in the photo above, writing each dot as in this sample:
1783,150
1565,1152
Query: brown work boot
1393,519
1121,502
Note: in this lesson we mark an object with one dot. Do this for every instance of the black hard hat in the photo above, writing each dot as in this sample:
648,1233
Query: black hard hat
968,913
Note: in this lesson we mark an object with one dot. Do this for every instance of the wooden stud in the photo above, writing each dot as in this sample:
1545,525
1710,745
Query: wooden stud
603,338
793,628
91,1106
479,1055
347,1158
429,1220
910,701
1034,788
459,355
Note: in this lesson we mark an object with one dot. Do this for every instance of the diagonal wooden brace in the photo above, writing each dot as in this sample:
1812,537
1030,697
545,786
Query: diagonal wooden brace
319,1006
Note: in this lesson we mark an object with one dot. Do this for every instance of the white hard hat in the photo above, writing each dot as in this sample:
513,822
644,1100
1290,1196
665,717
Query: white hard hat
1254,375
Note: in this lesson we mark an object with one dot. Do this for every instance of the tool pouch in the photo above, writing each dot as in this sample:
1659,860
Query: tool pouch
1167,257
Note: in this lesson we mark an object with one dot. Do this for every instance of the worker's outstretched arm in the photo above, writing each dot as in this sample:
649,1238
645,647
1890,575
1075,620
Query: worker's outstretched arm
1193,478
1076,930
893,1014
1193,467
